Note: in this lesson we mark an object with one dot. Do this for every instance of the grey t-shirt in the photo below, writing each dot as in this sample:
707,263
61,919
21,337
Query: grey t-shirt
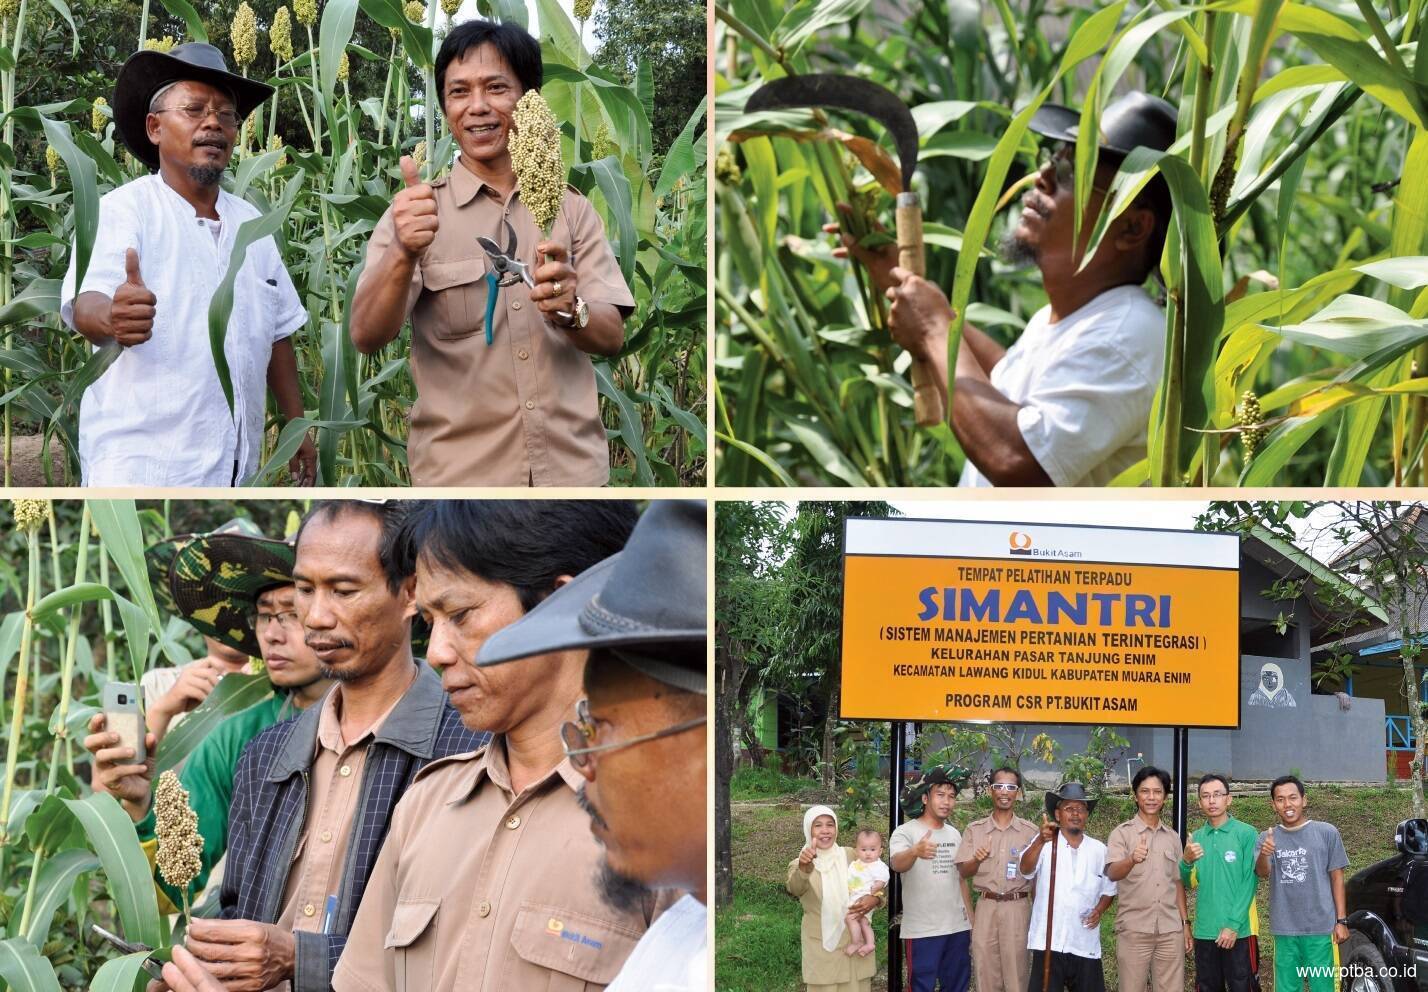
1301,902
931,890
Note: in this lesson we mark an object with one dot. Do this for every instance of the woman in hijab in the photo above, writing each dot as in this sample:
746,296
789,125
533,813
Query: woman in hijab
818,879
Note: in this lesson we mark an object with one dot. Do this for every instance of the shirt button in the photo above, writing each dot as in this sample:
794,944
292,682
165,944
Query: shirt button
530,404
326,836
516,305
345,771
512,822
523,354
309,909
484,910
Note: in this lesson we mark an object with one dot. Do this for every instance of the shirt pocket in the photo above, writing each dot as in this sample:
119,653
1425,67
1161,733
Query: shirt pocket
412,939
459,287
579,951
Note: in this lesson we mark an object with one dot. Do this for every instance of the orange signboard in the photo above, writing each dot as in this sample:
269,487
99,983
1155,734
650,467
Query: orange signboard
1039,624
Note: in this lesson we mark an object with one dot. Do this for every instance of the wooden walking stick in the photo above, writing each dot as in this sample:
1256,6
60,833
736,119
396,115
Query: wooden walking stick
1050,908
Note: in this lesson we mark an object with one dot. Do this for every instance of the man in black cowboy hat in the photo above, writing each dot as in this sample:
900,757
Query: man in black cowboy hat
1077,885
936,900
1069,402
159,416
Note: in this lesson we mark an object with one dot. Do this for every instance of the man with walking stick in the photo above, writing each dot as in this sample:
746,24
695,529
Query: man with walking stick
1072,892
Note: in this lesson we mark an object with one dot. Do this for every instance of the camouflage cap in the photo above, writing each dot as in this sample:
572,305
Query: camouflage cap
160,558
216,578
953,775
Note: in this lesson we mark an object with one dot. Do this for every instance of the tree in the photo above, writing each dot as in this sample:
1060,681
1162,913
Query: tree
749,546
1382,552
814,582
670,35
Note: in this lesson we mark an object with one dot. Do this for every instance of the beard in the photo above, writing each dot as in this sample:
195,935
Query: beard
1017,251
618,891
205,175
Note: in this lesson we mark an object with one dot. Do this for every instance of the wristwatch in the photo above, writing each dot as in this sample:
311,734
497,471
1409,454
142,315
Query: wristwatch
1342,921
582,314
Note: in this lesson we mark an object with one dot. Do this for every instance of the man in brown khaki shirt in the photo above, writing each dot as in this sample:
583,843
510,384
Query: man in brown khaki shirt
990,852
486,882
521,409
1152,921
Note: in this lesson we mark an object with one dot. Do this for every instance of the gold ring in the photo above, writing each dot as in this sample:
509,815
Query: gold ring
556,286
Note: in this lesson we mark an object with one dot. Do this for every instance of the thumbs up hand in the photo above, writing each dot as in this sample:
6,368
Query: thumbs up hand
1141,850
1267,848
414,211
1048,829
131,312
1193,852
805,859
927,847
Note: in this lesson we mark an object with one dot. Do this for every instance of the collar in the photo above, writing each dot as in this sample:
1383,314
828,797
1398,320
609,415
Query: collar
220,206
464,184
1142,826
1229,820
411,726
491,765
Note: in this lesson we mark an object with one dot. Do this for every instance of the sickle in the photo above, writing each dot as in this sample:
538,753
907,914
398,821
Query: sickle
884,106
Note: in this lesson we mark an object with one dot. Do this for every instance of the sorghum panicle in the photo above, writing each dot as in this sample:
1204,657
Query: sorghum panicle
245,35
536,157
97,117
450,7
176,827
280,35
164,44
583,9
305,11
30,513
1249,416
343,67
415,11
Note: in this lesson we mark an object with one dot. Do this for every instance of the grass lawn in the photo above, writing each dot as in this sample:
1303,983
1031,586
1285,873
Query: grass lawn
756,939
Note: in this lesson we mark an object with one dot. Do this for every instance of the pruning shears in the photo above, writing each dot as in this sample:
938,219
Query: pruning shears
151,967
506,270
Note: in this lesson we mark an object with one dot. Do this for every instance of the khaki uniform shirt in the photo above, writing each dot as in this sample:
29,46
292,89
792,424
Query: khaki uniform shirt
1006,844
480,890
522,410
831,968
1147,900
317,865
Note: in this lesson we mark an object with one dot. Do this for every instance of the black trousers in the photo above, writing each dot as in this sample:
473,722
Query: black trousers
1221,970
1069,972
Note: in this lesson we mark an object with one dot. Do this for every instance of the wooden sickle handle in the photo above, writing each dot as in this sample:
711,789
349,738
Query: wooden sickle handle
926,399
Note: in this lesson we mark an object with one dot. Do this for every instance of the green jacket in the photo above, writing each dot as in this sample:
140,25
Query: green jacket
1226,878
207,774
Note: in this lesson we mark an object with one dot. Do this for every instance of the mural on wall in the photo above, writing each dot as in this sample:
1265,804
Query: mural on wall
1271,691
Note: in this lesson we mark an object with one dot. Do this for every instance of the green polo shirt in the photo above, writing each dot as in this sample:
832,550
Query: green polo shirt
1226,879
207,774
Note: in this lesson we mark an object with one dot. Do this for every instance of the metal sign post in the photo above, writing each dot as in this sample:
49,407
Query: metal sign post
899,735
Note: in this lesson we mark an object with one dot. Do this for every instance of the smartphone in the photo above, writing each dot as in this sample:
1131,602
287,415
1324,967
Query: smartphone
122,716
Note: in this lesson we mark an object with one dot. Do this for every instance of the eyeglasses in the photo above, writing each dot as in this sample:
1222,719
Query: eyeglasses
573,736
1213,795
1005,787
1062,159
287,620
228,119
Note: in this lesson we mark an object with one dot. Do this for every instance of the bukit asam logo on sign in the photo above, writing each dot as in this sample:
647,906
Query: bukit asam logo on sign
943,621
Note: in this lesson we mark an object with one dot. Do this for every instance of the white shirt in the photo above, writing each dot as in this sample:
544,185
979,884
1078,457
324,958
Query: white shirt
1085,385
157,416
931,889
862,875
671,956
1080,882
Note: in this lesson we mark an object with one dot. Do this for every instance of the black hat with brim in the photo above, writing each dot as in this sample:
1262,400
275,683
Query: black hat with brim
147,72
1071,792
216,579
1132,121
650,593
